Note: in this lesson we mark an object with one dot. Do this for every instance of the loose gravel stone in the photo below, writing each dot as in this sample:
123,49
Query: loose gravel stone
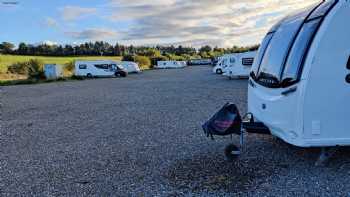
141,136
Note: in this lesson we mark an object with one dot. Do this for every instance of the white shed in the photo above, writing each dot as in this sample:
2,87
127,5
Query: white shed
53,71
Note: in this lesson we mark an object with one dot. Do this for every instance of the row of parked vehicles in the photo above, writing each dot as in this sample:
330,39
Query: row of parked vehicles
108,68
235,65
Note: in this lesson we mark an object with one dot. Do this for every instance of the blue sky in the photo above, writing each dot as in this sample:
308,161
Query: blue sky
187,22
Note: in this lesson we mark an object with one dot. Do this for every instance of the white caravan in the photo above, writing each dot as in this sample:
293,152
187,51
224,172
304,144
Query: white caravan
171,64
99,68
224,62
242,67
299,87
131,67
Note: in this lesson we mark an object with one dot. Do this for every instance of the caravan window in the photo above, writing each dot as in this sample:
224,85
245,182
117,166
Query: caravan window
298,52
247,61
101,66
274,57
82,66
281,55
265,43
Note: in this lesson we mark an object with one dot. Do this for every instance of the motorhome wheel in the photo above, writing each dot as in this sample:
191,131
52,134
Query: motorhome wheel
89,75
123,74
218,71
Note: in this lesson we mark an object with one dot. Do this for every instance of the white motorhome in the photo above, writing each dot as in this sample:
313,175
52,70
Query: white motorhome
299,86
131,67
171,64
242,67
224,62
99,68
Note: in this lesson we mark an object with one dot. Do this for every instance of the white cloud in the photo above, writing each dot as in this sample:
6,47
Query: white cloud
47,42
71,13
92,34
217,22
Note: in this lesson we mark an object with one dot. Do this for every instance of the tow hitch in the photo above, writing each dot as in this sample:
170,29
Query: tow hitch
228,121
248,125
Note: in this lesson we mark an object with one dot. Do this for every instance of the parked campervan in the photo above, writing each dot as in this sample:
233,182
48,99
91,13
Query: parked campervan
131,67
171,64
99,68
299,87
242,66
198,62
224,62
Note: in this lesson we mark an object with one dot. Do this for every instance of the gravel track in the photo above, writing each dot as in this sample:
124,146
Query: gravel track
141,136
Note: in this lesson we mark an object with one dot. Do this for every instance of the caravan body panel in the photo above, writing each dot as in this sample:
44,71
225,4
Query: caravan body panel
326,100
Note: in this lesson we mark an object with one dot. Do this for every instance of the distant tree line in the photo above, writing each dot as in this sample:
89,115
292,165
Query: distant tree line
100,48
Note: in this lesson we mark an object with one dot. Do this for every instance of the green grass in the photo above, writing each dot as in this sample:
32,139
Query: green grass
7,60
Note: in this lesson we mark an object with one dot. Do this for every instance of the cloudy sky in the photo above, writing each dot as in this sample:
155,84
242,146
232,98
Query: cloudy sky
189,22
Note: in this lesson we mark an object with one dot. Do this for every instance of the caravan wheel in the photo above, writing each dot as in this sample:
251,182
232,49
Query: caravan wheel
89,75
218,71
232,152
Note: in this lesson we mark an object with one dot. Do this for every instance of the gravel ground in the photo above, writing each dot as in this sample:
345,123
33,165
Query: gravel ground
141,136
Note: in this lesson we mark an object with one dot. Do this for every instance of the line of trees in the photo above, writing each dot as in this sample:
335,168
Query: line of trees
100,48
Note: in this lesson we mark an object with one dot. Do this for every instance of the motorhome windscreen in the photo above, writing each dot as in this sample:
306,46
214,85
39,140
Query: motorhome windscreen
280,59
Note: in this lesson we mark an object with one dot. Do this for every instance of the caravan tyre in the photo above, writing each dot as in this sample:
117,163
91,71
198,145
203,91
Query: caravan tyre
218,71
89,75
232,152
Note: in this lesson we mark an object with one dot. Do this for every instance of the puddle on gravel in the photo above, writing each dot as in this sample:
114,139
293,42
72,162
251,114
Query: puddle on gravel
210,173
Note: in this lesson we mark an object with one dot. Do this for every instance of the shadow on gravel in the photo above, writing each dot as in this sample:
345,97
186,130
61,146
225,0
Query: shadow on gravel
210,173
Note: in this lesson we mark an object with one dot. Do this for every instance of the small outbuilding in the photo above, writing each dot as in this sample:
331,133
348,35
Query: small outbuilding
53,71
